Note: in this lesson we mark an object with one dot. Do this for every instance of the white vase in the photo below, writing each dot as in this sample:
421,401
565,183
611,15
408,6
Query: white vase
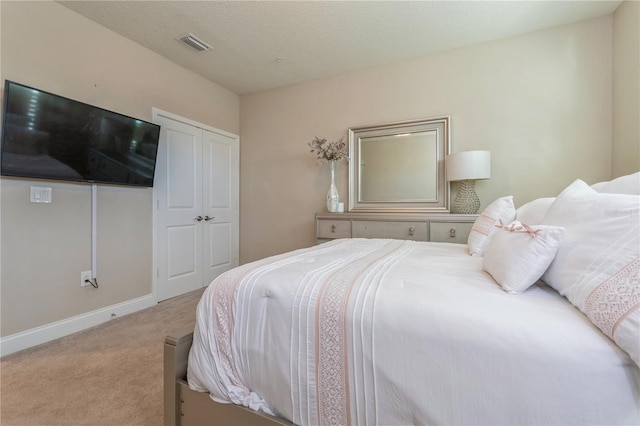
333,198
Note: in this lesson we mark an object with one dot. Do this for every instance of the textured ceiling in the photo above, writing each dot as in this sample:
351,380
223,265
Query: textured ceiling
259,45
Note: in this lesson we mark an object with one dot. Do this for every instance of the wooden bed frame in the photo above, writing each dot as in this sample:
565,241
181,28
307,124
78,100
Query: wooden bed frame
183,406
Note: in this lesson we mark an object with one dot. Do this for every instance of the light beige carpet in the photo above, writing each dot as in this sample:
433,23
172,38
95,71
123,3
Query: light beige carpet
107,375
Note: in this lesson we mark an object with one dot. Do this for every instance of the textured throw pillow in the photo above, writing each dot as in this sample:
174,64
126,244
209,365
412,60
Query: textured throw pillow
484,227
518,254
629,184
533,212
597,266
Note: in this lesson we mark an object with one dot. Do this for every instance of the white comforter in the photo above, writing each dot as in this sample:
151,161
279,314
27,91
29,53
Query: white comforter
390,332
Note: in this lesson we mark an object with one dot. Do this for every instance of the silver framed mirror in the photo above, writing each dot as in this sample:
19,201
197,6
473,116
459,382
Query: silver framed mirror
400,167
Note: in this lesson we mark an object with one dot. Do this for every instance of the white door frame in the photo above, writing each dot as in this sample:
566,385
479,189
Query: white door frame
157,112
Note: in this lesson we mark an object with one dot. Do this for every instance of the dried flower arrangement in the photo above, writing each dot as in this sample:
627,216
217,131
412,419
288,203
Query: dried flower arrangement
329,151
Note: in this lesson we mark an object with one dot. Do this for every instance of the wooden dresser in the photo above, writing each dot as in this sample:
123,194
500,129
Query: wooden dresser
438,227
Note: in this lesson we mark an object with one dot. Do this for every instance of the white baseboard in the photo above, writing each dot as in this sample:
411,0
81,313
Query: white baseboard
55,330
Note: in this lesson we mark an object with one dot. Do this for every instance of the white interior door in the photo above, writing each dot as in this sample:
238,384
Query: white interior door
196,190
178,194
220,203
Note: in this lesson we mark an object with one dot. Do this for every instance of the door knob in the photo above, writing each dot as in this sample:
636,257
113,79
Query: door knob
207,218
199,218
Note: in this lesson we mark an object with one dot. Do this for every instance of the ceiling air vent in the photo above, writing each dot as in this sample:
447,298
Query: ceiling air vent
194,42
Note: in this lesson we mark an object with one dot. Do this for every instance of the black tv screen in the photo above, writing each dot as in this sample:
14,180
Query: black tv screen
46,136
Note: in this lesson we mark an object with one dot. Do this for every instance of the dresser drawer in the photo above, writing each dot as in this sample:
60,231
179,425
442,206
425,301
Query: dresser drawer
333,228
387,229
450,232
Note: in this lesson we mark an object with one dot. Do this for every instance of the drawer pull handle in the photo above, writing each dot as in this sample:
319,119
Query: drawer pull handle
452,232
412,230
333,228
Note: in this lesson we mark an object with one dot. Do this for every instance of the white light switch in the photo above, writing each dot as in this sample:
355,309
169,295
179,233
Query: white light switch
40,194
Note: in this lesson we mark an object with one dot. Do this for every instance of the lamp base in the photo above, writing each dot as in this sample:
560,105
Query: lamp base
466,201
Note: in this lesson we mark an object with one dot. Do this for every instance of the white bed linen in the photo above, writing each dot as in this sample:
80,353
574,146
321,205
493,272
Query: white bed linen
422,336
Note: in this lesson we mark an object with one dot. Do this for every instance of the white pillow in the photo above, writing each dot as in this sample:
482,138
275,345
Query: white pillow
533,212
629,184
597,266
518,254
484,227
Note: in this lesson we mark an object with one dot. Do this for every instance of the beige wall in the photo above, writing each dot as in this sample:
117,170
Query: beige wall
541,103
45,247
626,88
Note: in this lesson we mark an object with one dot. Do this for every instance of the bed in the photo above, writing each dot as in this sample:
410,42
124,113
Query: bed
381,331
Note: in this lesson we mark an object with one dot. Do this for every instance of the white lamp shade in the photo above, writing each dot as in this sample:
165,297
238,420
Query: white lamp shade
469,165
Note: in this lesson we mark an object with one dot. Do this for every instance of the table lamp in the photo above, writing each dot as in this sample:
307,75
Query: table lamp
467,167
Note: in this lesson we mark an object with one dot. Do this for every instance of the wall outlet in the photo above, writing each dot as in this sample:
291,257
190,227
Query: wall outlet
84,276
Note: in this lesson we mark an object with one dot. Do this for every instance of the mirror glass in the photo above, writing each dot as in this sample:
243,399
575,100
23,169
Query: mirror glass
399,167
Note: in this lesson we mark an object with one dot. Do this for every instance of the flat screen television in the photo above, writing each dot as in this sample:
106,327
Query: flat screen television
47,136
